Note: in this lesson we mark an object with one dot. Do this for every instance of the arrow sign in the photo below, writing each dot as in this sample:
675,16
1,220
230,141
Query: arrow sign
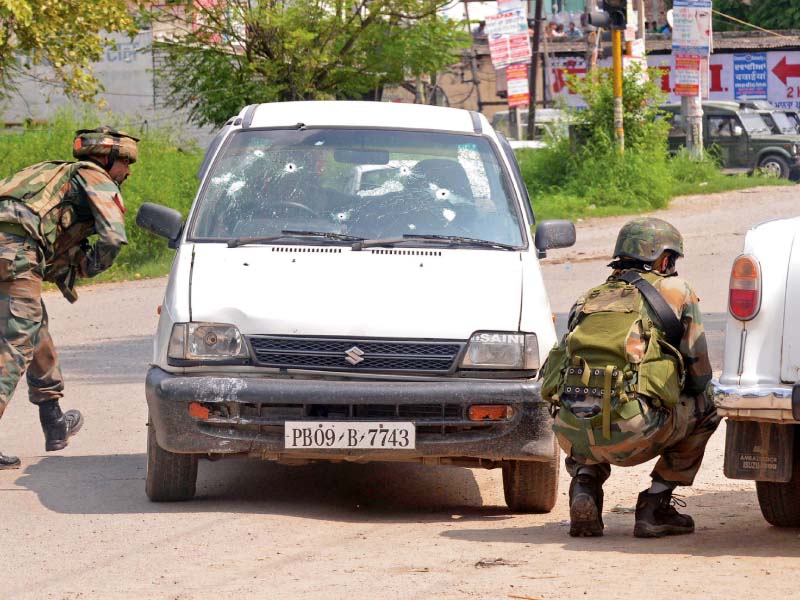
784,70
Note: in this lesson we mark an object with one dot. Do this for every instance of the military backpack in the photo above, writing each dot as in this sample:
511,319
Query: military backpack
41,187
621,347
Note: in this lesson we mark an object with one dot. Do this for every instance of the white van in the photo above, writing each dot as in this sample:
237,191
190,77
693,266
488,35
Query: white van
317,313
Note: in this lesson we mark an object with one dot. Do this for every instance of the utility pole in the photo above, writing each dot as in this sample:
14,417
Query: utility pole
533,81
693,58
614,16
616,63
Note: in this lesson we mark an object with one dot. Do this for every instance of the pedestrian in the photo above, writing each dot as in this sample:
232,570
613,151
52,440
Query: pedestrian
573,31
479,32
47,212
628,383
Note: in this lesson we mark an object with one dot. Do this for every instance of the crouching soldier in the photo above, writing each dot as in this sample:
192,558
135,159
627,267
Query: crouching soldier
628,383
47,213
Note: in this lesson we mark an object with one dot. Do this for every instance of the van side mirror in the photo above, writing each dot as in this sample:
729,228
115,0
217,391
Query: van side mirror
161,221
737,130
554,233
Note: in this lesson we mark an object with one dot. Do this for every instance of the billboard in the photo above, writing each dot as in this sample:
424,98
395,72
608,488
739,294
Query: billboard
774,75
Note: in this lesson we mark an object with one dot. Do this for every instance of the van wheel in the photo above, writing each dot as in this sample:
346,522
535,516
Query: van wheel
780,502
774,166
170,477
532,486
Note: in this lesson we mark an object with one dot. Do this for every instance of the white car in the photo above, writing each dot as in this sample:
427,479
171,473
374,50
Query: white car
758,390
309,318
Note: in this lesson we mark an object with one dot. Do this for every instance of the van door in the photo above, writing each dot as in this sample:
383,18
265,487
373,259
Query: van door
722,137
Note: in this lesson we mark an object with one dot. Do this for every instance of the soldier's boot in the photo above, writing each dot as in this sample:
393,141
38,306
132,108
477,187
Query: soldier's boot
8,462
58,427
585,506
656,516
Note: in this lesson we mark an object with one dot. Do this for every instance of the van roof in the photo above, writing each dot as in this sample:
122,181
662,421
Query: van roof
718,106
336,113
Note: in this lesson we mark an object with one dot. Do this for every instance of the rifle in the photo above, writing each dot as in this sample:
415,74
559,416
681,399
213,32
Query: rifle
64,268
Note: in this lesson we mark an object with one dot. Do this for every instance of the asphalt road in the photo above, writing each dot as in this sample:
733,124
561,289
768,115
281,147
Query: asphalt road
77,524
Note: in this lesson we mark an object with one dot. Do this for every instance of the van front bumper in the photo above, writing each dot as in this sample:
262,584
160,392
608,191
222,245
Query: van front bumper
247,415
764,403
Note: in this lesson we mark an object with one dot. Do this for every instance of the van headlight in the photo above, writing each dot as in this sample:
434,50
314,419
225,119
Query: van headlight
206,342
501,350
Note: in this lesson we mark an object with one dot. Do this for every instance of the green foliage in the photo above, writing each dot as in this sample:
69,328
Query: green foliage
587,176
590,166
67,36
233,54
769,14
164,174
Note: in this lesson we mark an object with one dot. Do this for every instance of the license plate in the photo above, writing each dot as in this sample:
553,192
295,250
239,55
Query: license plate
350,434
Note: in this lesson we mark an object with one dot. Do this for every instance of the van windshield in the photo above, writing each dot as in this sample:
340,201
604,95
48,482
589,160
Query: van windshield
783,122
754,124
355,182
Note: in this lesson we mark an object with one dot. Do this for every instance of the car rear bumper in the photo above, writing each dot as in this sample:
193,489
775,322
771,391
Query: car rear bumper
765,403
248,415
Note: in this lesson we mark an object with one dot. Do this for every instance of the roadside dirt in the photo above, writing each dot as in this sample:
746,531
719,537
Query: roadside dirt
77,525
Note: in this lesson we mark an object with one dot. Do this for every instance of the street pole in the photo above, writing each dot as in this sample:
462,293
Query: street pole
533,80
692,109
616,57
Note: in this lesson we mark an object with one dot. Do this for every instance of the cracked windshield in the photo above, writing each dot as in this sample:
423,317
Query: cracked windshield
359,183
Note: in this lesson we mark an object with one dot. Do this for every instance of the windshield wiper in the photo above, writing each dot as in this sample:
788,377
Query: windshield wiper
451,239
291,233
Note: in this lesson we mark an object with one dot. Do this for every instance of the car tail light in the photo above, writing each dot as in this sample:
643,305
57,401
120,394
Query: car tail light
744,298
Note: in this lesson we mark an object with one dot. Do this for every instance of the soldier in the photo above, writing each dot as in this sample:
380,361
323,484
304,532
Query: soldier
628,383
47,212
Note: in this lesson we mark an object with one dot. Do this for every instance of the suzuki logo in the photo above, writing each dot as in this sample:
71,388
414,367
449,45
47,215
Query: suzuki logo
353,356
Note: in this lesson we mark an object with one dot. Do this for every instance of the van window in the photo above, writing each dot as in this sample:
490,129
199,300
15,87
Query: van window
364,183
676,125
721,126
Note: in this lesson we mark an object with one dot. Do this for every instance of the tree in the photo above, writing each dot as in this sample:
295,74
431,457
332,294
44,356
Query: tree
769,14
225,55
67,36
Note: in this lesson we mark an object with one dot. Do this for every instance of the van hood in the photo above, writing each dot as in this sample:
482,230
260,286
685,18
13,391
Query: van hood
378,292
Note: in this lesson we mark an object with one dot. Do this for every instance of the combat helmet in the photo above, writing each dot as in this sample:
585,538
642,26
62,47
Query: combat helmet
646,238
104,141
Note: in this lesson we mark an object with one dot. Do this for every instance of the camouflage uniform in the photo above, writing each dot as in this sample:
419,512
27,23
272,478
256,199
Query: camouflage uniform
90,203
678,434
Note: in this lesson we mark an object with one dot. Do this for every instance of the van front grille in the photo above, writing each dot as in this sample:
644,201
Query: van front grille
355,354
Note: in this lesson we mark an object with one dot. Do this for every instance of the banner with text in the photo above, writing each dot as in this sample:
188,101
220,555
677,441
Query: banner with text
781,86
517,85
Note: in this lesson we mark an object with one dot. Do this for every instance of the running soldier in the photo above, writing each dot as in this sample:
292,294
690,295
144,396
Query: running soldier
628,383
47,213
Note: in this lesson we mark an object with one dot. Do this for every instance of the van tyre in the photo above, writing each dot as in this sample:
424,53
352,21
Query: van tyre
774,165
170,477
780,502
532,486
